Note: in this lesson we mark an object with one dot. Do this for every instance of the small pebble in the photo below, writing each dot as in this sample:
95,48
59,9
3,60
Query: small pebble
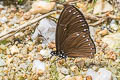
40,7
103,32
39,47
27,16
74,68
30,48
3,20
64,70
2,62
3,12
88,78
51,45
38,67
102,74
45,52
112,55
14,49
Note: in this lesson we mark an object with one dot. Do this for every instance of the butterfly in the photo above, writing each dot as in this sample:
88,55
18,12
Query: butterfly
72,35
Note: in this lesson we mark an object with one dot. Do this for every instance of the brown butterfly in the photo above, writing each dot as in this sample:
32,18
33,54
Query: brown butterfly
73,35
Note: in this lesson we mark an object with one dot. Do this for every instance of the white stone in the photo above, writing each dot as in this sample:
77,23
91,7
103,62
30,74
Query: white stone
3,20
92,73
1,6
14,20
113,41
102,6
38,65
2,62
102,74
14,49
64,70
46,28
45,52
114,25
42,7
3,12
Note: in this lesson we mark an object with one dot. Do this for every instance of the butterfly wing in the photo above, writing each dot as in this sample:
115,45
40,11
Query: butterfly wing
79,44
70,24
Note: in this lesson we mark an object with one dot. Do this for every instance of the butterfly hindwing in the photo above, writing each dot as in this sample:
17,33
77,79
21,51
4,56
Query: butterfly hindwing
79,44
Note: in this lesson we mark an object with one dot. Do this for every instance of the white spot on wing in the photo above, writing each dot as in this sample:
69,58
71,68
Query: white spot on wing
83,35
81,20
86,39
85,29
70,10
74,13
78,15
77,34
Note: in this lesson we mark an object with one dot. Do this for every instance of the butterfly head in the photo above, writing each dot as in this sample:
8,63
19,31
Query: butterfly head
53,53
61,54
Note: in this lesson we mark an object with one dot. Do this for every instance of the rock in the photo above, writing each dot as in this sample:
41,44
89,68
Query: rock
102,6
91,73
30,48
51,45
103,32
113,25
88,78
74,69
14,49
39,47
40,7
82,6
74,78
39,57
1,6
69,0
113,41
2,62
3,12
111,55
38,67
64,70
3,47
3,20
23,66
14,20
27,16
80,63
79,77
46,28
102,74
45,53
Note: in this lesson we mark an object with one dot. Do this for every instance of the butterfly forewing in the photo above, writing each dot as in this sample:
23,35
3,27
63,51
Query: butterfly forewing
72,34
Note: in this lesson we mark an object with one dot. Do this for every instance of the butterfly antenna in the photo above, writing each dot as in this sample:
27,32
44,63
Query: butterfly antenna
51,56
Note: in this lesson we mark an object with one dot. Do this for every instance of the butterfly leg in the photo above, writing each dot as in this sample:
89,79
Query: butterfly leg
53,53
58,59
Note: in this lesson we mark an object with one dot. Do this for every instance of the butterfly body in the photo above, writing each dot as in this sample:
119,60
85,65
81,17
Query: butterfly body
73,35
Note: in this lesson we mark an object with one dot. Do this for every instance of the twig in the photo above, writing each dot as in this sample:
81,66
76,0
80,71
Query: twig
98,22
7,34
90,16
